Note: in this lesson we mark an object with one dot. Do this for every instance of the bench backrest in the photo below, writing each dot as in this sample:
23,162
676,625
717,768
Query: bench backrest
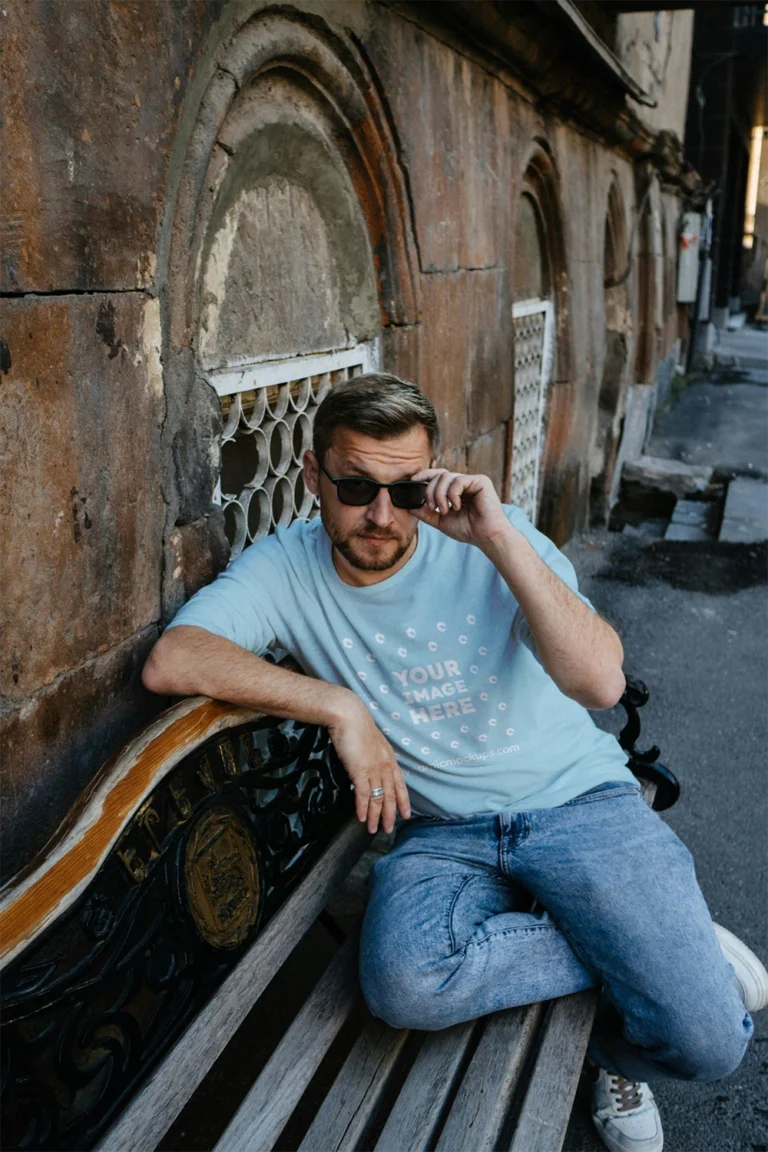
147,905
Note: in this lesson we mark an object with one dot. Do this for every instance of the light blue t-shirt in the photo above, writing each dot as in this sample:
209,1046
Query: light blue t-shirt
440,653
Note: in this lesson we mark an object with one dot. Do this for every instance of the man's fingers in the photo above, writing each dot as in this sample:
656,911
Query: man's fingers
362,797
389,809
401,795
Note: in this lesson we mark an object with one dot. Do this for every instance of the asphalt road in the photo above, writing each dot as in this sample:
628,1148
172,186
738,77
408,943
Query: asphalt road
695,628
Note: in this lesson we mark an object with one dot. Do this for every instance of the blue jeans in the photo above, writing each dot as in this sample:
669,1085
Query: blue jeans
449,933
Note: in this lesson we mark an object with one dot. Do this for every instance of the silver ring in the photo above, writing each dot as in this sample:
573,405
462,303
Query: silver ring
377,793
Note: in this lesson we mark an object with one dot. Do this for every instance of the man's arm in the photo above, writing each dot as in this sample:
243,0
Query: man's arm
187,660
579,650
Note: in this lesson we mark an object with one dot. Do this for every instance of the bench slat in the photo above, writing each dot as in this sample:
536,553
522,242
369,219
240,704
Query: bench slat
483,1099
268,1106
418,1108
344,1115
546,1111
158,1103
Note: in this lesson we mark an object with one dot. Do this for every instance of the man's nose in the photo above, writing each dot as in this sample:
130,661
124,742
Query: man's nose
379,512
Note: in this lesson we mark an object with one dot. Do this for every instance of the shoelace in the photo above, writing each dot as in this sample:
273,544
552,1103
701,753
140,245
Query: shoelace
628,1094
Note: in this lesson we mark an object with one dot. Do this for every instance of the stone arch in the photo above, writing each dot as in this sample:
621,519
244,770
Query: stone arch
649,278
288,176
618,336
541,182
324,70
540,185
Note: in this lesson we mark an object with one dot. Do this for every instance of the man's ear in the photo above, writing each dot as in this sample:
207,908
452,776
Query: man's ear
311,472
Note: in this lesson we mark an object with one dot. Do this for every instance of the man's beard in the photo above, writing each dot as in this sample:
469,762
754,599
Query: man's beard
371,558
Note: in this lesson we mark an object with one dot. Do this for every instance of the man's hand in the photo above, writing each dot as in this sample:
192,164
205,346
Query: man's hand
187,660
581,652
370,763
466,508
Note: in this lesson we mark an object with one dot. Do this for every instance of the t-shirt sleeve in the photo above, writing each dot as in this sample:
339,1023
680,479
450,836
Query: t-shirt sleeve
241,604
552,557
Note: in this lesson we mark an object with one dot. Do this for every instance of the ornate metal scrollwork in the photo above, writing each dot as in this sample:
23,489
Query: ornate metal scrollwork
90,1007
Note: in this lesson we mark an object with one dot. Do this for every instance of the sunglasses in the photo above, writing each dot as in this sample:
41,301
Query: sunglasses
357,491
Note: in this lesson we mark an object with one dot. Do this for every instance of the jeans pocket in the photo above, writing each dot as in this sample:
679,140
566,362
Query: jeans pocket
608,791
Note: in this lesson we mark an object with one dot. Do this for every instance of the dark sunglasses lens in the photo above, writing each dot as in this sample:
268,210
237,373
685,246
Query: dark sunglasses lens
407,495
357,492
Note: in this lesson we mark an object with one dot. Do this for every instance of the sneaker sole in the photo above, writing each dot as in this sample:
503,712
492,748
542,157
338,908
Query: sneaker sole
751,975
625,1145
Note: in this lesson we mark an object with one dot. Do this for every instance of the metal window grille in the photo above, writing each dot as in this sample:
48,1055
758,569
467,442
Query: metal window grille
268,410
533,322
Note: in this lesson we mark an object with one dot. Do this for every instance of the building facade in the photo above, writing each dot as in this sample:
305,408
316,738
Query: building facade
212,211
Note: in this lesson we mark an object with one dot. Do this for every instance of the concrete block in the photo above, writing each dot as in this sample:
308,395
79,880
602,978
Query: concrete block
745,519
653,529
671,476
685,532
693,513
635,434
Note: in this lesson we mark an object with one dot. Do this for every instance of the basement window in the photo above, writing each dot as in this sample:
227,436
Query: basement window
268,409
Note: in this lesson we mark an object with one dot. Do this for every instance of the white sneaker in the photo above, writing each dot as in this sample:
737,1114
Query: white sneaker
750,976
625,1114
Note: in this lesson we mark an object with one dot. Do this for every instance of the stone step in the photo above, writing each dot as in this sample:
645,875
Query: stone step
672,476
690,521
745,519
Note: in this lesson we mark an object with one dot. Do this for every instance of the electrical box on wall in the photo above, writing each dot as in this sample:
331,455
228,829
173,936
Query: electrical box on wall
691,226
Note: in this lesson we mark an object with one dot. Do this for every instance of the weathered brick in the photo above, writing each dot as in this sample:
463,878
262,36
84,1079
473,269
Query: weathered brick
488,455
91,93
195,554
490,350
55,742
454,122
82,512
443,348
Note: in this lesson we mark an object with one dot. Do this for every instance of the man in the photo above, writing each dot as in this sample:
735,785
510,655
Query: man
452,660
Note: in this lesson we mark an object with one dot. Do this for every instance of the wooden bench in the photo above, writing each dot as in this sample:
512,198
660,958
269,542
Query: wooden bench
138,943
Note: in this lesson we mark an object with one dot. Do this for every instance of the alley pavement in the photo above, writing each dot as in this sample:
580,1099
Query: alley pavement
693,616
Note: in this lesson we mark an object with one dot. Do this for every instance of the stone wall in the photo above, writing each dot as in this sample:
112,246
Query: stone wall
189,182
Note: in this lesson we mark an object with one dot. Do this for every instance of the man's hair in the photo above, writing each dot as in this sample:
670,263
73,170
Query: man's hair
375,404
